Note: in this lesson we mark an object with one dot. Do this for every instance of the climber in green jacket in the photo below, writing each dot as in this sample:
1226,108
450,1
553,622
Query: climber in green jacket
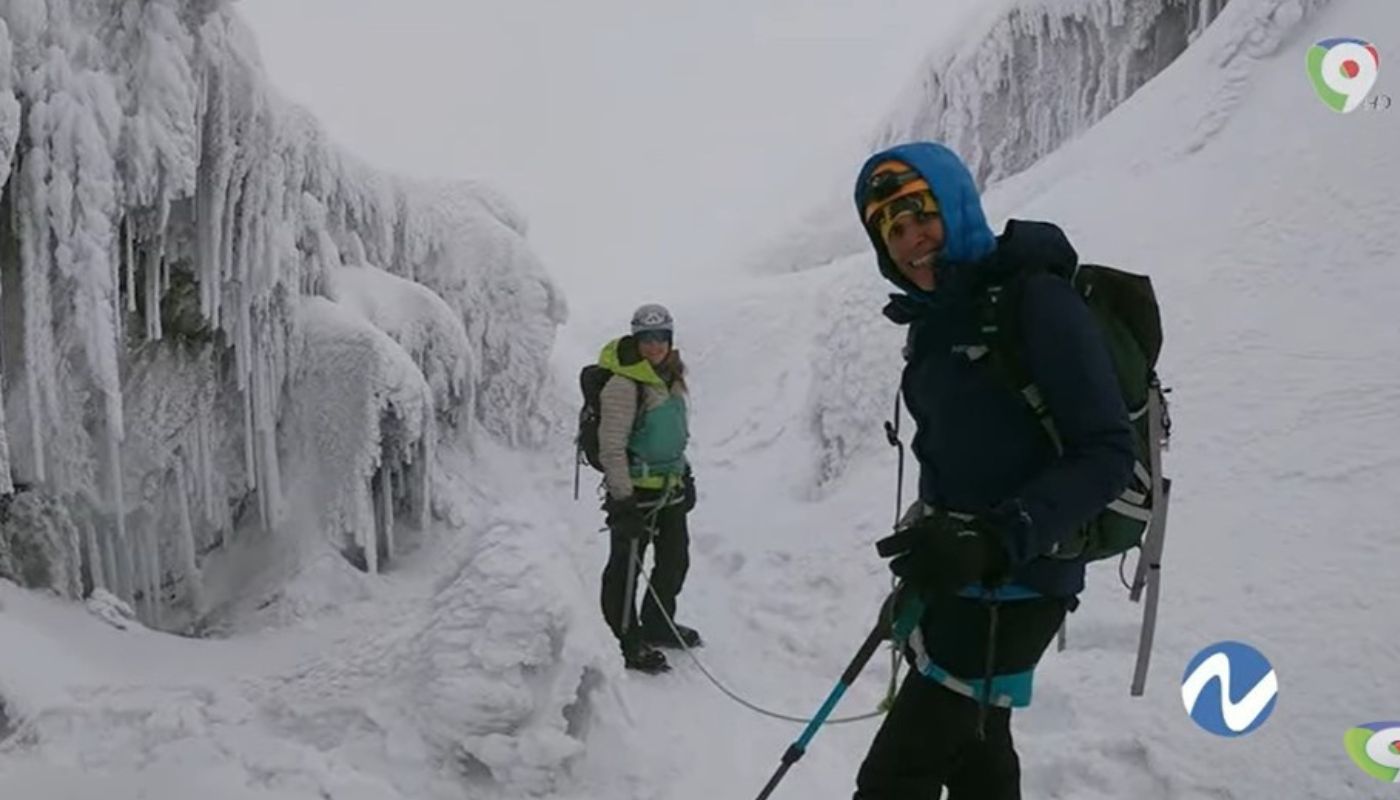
642,436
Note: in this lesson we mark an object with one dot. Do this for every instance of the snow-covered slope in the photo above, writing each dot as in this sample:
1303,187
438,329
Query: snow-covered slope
178,241
1273,251
1020,79
480,667
1275,259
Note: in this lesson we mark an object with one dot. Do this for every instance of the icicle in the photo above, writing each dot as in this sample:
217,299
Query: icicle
114,266
129,238
94,554
215,509
154,290
243,336
369,536
267,443
203,480
164,264
274,467
243,359
31,209
423,476
259,444
153,575
209,212
118,499
249,463
186,548
111,563
227,247
6,483
386,499
72,561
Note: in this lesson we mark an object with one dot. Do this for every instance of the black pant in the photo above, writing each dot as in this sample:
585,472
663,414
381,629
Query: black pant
929,740
672,561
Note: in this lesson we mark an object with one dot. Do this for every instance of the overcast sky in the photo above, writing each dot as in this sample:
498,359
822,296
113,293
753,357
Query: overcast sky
641,140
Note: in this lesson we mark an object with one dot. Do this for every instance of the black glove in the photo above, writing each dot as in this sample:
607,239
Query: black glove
688,504
624,518
942,554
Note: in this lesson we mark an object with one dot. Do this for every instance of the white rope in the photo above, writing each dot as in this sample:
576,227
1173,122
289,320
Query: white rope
720,685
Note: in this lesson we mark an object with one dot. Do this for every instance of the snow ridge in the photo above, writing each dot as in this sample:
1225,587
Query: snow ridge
1029,78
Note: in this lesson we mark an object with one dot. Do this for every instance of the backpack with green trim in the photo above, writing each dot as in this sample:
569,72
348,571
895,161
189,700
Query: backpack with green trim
591,380
1125,307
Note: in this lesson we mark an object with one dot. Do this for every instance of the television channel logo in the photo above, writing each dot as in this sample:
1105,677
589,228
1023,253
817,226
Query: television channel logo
1215,675
1343,71
1375,747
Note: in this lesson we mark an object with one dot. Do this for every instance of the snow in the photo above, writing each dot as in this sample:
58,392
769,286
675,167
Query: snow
361,403
477,665
420,322
1008,86
168,215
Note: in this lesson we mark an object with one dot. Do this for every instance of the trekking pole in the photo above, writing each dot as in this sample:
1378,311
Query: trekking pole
910,610
578,457
798,748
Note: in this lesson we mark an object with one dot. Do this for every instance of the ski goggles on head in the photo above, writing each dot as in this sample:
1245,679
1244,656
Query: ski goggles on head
920,205
889,182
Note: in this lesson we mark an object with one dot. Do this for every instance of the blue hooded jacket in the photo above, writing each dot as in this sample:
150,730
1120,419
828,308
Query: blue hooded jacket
979,447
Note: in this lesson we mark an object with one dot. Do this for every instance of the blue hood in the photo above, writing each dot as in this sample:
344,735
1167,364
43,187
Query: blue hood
968,238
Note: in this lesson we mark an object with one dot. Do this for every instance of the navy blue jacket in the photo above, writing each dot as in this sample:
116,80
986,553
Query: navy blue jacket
979,448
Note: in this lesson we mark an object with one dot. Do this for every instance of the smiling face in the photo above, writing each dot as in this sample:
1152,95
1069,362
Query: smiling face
913,240
654,345
901,209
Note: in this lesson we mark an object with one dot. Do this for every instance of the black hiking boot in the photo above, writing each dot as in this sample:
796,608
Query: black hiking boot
644,659
662,636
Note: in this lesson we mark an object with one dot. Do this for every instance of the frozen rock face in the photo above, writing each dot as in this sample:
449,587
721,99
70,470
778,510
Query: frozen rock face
39,543
1031,79
166,220
1041,74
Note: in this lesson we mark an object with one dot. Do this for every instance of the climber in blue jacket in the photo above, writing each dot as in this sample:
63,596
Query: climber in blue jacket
995,494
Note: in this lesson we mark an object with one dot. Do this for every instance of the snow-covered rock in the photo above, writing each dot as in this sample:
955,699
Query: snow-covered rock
39,544
165,220
357,400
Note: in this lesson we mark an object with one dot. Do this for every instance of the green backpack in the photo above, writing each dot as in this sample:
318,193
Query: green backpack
1125,306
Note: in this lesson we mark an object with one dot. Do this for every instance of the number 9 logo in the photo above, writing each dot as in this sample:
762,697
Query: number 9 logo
1343,71
1375,747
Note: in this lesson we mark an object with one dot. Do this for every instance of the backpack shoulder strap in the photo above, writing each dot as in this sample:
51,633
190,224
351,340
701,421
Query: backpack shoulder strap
641,399
999,312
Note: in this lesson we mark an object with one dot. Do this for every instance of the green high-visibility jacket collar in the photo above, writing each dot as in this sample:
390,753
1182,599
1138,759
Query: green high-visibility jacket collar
636,368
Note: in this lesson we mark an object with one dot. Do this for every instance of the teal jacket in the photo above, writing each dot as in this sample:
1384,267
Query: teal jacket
640,447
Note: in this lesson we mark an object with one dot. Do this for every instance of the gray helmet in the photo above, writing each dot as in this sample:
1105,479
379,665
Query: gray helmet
652,317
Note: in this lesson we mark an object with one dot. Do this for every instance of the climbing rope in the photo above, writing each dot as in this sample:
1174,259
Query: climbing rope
725,689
